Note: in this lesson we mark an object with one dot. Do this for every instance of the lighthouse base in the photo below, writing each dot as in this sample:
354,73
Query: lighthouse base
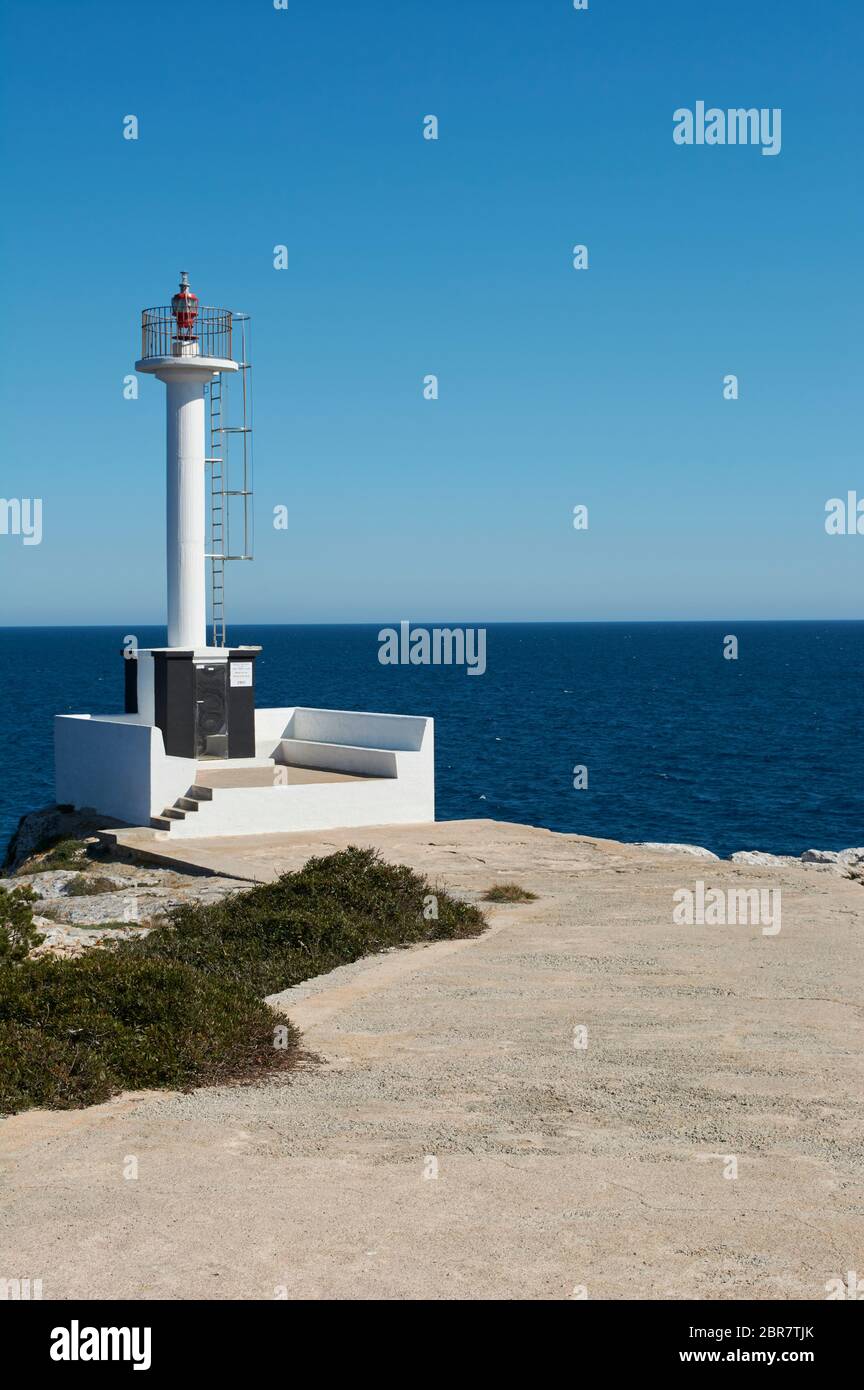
202,701
312,769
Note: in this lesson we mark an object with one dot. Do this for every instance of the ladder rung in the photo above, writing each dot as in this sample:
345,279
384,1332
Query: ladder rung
220,493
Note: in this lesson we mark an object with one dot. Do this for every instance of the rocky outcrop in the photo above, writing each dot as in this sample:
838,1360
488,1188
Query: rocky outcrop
137,897
848,861
38,829
697,851
759,856
58,939
118,896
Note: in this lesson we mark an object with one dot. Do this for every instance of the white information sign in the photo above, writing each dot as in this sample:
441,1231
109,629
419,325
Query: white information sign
241,672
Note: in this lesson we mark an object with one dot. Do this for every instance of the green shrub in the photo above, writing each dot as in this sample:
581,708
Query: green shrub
182,1007
61,854
83,887
330,912
18,935
73,1032
509,893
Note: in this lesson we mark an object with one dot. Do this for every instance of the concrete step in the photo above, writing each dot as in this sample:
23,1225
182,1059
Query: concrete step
181,808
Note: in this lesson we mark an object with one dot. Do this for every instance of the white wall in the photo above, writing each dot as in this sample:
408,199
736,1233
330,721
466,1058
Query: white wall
116,766
270,727
319,806
146,688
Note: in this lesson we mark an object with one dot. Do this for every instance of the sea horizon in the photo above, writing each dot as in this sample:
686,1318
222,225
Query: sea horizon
425,621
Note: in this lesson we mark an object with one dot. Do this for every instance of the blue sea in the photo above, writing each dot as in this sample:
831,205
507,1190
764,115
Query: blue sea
680,744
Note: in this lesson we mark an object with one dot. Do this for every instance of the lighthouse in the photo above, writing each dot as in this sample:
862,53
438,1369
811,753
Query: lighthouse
192,756
200,694
186,360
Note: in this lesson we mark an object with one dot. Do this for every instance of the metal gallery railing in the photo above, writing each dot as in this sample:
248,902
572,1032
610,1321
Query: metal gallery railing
209,335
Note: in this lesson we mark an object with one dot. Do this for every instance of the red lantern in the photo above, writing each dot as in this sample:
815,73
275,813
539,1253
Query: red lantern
184,307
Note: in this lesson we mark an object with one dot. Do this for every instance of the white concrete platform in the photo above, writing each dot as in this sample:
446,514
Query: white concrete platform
314,769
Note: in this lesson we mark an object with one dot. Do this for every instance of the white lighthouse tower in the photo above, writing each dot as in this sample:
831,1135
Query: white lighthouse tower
192,756
199,694
186,355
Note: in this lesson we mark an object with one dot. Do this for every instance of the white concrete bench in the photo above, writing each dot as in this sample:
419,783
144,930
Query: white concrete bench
337,757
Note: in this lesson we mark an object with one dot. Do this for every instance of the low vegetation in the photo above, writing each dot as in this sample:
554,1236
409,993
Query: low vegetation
508,893
18,936
56,854
83,887
183,1006
73,1032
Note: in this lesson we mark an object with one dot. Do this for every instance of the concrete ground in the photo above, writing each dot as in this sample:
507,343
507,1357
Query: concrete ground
453,1143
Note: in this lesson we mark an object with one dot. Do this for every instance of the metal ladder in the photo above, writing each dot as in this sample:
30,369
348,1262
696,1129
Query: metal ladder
223,470
215,460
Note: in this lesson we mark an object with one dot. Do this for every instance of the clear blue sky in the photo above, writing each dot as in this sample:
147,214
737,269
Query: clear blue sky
410,257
